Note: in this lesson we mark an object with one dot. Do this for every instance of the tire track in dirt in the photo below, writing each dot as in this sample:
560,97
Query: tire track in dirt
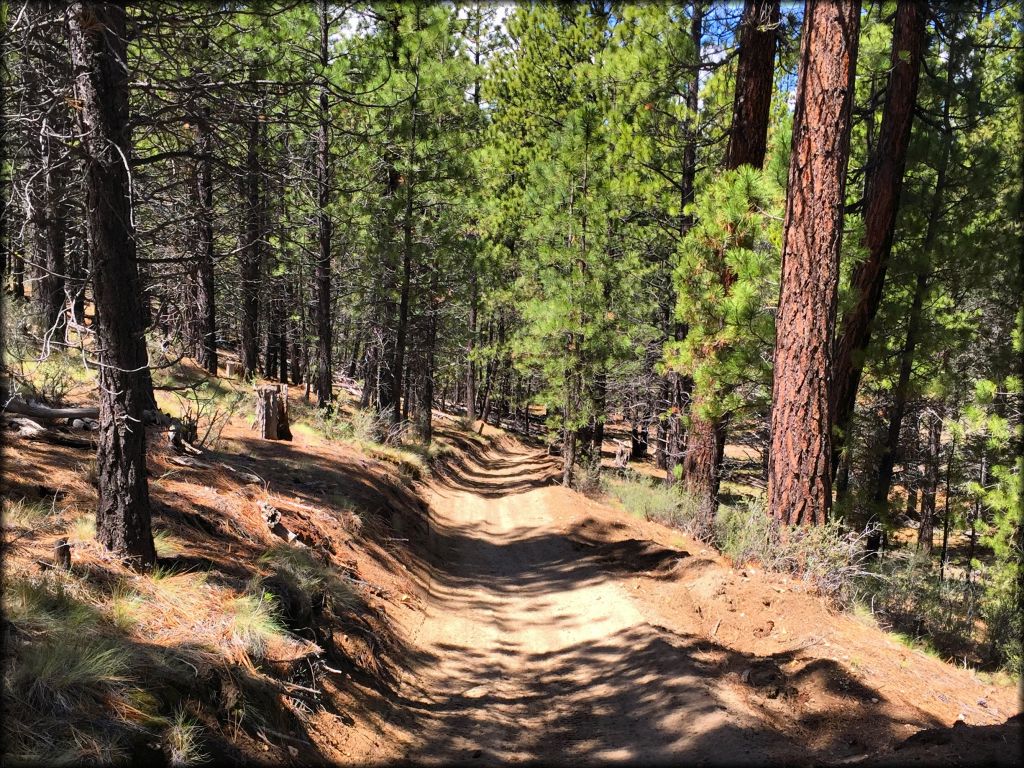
538,653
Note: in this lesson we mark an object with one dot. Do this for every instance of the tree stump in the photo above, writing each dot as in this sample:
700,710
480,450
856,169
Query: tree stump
272,412
232,369
622,454
62,554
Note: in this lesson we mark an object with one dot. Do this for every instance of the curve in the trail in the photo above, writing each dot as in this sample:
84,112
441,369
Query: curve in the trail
538,652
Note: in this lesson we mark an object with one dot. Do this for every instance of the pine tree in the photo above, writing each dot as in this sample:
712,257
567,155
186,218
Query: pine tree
98,51
799,475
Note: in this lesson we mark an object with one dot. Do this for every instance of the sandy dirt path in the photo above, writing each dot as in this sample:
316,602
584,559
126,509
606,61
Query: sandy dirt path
538,653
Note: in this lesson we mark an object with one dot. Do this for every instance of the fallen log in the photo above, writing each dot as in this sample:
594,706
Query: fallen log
37,411
28,429
46,413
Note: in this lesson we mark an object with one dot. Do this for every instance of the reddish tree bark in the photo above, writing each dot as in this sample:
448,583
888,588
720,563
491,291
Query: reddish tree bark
881,203
97,42
799,474
702,465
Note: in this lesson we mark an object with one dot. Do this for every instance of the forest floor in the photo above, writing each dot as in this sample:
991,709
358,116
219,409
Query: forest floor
495,616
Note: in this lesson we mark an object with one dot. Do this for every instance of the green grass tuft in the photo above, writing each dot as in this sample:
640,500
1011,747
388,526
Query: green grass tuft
255,622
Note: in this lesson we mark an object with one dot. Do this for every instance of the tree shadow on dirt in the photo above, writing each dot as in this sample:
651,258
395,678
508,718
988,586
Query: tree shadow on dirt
645,695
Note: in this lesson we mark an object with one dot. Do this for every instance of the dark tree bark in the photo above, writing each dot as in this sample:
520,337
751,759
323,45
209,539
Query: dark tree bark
98,46
930,484
324,374
748,139
881,203
470,346
206,316
799,475
53,252
252,251
883,480
945,513
568,457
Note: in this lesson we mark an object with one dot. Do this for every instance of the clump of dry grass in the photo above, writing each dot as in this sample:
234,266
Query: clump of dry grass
323,583
70,684
254,622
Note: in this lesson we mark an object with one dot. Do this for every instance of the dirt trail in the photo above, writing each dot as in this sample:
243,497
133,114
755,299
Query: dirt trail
541,652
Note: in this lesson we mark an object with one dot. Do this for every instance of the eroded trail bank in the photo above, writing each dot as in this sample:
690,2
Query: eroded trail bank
553,632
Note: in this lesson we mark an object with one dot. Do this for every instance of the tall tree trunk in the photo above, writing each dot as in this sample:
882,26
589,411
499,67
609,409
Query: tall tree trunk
703,465
945,511
206,320
407,246
252,249
748,138
881,203
883,481
52,280
930,484
568,457
470,345
799,475
678,386
324,375
97,42
890,449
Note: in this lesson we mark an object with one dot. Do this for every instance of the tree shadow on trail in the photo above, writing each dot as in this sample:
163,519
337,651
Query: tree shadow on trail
644,695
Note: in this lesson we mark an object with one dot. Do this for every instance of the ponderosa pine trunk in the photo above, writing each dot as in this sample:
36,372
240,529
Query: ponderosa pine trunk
252,250
702,467
206,315
881,204
324,374
748,138
799,474
97,42
53,256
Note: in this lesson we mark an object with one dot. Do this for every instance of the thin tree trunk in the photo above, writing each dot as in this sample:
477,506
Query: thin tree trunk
252,250
930,485
568,456
206,321
974,516
799,476
945,512
97,42
881,204
324,375
470,346
678,386
890,449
